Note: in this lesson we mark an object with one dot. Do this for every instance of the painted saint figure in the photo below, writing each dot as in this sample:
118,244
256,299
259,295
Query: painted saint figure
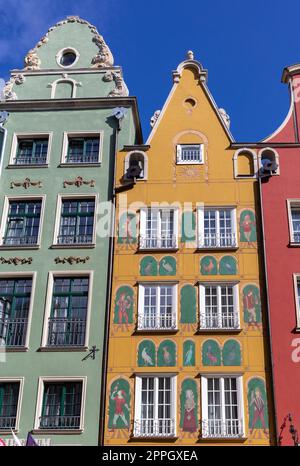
189,421
258,405
250,301
118,396
248,227
123,303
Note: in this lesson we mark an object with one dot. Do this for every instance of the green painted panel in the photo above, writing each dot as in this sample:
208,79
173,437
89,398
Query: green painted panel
188,309
189,353
167,266
252,304
189,406
257,402
119,405
188,227
124,305
211,353
231,353
228,266
247,226
127,233
146,353
148,266
208,265
166,355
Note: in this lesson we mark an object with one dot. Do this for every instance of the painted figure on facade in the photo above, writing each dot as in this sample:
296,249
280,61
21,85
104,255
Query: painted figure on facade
231,353
146,353
188,405
148,266
167,266
119,405
208,265
211,353
252,306
127,229
247,227
124,306
188,308
227,266
257,400
188,353
166,353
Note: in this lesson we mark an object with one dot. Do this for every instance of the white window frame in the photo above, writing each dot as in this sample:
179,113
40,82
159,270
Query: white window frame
179,160
201,210
63,197
81,134
292,203
47,313
39,403
244,150
236,304
141,301
137,404
296,280
27,135
276,158
16,275
204,402
143,226
19,380
127,160
7,200
60,54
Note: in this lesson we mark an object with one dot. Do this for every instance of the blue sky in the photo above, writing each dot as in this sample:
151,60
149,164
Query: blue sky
244,45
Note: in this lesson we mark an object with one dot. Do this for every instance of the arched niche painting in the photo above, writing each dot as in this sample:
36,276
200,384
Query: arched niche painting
146,354
208,265
252,305
228,266
167,266
188,353
247,226
148,266
188,227
189,406
257,404
188,308
124,301
231,353
211,353
166,355
119,405
127,232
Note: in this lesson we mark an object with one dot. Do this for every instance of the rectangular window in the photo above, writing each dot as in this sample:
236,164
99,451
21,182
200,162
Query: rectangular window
295,216
76,221
157,307
222,411
15,297
67,321
158,229
9,397
61,407
155,406
189,153
83,149
23,223
217,228
31,151
219,306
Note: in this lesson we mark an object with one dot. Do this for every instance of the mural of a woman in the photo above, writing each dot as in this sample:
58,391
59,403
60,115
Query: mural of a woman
247,227
189,420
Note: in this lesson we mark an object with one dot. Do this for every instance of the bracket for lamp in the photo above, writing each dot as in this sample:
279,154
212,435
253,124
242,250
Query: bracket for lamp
92,353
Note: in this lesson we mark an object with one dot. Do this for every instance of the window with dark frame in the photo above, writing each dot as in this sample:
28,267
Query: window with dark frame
23,223
76,222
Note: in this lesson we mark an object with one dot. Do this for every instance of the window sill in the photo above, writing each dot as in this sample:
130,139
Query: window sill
8,431
73,246
189,163
5,247
55,349
156,331
13,349
175,248
219,330
151,438
77,164
57,431
33,165
223,439
217,248
294,245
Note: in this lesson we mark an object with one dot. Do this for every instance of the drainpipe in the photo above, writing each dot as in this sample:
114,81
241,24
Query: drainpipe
3,120
265,272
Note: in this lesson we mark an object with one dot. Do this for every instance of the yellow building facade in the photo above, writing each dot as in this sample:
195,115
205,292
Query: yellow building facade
187,358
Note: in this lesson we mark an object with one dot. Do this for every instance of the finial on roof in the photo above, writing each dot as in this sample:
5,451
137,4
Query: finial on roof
190,55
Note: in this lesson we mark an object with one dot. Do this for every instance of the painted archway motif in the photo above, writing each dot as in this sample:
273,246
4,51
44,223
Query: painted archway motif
209,265
124,304
189,407
166,354
231,353
228,266
188,227
127,231
188,307
146,354
247,226
119,405
252,306
211,353
148,266
258,407
189,353
167,266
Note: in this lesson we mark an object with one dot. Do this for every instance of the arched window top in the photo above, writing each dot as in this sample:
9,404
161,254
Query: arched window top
269,161
136,165
245,163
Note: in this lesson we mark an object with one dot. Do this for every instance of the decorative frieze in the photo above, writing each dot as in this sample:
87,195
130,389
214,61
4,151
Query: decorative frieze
16,260
71,260
27,183
79,181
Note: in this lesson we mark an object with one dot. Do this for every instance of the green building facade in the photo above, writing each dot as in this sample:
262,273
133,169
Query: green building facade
68,113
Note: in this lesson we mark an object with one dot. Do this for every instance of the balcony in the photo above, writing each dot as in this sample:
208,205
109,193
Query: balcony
162,242
210,321
296,237
154,428
217,428
213,241
59,422
74,239
66,332
7,422
81,158
20,240
30,160
154,322
13,332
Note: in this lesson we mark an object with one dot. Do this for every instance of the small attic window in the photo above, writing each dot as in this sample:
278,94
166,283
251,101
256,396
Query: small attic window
67,57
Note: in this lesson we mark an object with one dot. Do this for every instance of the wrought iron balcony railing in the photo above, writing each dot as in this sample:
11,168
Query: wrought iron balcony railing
59,422
155,242
66,332
30,160
217,241
157,322
217,428
296,237
154,428
7,422
210,321
81,158
20,240
13,331
74,239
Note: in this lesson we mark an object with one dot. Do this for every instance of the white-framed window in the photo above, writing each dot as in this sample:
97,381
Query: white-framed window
68,309
217,227
155,406
222,406
82,148
158,228
22,220
136,166
11,392
219,306
157,309
190,153
60,404
75,224
67,57
294,220
296,277
30,149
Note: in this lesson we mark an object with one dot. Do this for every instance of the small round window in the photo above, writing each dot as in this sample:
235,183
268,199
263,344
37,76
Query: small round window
68,58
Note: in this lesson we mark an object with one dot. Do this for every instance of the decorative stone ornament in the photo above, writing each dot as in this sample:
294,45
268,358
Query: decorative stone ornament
121,89
79,181
8,93
154,118
32,61
27,183
104,57
225,117
71,260
16,260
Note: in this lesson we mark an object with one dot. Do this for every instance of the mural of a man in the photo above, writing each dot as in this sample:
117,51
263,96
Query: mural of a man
250,301
119,397
247,226
258,405
189,421
123,305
